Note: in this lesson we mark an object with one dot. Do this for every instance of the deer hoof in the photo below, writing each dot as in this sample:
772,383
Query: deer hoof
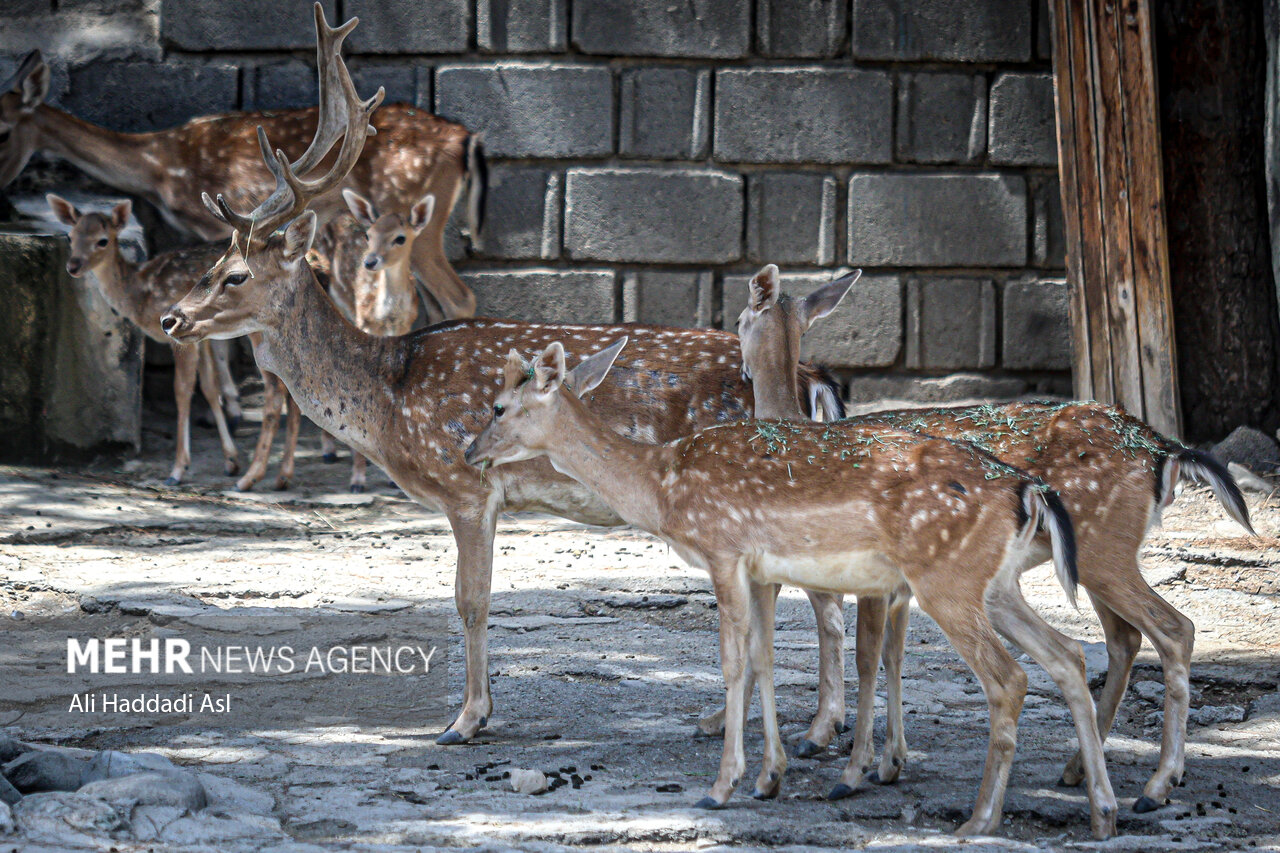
233,467
330,458
839,792
357,488
450,738
808,749
766,795
171,481
1146,804
708,803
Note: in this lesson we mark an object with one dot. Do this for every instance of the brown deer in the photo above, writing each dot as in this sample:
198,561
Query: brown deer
141,293
414,153
840,508
413,403
1115,475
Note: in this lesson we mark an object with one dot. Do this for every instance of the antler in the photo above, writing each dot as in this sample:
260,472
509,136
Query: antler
342,114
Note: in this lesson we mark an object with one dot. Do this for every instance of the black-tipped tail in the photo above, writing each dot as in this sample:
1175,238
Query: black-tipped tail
1198,465
1062,536
477,184
822,393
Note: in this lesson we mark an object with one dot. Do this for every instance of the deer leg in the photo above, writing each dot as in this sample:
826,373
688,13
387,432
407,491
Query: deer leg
207,372
1123,642
473,529
328,448
185,364
293,422
712,724
230,393
358,466
828,609
1063,659
871,627
895,643
1173,636
733,602
760,648
273,399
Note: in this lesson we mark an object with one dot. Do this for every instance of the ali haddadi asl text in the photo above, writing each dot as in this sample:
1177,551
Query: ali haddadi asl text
153,703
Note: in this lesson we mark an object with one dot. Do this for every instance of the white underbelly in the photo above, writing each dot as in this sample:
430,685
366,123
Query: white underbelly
849,573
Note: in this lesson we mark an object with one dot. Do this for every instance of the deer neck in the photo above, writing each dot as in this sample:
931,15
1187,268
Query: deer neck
626,474
340,377
776,392
117,159
114,276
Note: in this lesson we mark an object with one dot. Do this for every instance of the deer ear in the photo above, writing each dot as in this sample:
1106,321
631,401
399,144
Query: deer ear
420,213
63,210
298,237
593,369
548,370
32,81
514,370
361,208
825,299
120,214
764,288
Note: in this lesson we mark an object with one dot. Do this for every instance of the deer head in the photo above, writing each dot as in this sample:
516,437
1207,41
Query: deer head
261,267
390,235
525,411
93,235
19,98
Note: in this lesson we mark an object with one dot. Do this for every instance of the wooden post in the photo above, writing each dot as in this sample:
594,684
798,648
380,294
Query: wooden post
1113,202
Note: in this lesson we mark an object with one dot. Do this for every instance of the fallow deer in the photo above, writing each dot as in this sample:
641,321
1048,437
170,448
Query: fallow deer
141,293
1115,474
413,403
415,153
840,508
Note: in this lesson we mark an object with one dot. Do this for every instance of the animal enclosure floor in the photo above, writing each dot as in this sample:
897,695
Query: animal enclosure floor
603,652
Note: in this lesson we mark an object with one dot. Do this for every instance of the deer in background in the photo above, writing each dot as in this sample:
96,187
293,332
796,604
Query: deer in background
1115,475
412,403
413,154
371,281
839,508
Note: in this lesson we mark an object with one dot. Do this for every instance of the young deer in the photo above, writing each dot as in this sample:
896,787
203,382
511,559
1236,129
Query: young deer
371,280
1115,475
840,508
413,403
414,153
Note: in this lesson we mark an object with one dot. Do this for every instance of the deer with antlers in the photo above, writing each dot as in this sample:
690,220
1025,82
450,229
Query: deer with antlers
839,508
414,153
1115,475
412,403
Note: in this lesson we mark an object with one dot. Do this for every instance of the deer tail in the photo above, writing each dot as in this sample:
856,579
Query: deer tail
1044,507
1198,465
477,184
821,392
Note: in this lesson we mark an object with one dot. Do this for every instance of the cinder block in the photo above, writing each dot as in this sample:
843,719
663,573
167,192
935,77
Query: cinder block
280,86
803,115
522,214
671,215
865,331
925,220
942,117
951,323
1023,130
704,28
1037,328
868,394
802,28
200,25
668,298
139,96
791,218
400,81
947,30
665,113
521,26
531,110
544,296
1050,239
395,26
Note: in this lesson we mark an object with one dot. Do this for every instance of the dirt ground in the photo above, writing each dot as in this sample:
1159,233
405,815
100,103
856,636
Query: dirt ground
603,653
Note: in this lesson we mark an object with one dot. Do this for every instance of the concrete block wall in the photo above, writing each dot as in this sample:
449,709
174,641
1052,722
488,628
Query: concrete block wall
647,157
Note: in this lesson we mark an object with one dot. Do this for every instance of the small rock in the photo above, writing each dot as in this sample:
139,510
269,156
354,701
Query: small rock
1151,691
1209,715
528,781
6,819
8,793
147,823
109,764
1166,574
230,796
1251,448
45,770
11,749
175,788
208,829
60,816
1249,481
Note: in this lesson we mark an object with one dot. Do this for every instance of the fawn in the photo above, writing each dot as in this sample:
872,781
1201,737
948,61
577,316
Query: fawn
1115,476
840,508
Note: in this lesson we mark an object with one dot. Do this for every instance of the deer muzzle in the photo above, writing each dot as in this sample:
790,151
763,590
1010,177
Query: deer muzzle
175,324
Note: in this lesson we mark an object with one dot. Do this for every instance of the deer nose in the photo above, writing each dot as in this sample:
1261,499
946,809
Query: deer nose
74,265
169,322
371,262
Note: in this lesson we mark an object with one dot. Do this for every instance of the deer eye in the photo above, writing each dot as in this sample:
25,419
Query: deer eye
498,410
236,278
102,241
399,240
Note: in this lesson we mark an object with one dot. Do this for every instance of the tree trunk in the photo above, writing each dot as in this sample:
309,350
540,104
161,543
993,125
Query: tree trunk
1211,60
